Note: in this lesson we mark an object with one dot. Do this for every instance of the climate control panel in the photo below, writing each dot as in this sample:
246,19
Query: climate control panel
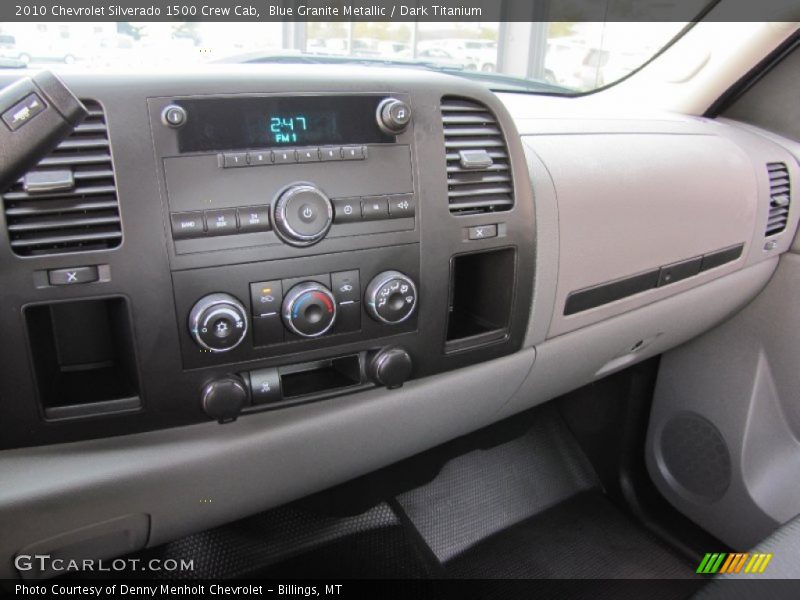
283,307
301,308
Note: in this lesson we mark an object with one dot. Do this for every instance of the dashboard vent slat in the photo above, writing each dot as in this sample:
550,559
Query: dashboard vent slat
469,125
84,216
780,196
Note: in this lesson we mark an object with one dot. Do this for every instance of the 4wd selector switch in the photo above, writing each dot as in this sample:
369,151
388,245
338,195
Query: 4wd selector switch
302,215
309,309
391,297
218,322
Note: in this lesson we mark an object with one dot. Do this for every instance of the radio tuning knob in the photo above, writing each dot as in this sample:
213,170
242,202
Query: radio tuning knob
393,116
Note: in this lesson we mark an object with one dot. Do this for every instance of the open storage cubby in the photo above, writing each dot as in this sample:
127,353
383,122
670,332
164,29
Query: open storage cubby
321,377
83,357
481,293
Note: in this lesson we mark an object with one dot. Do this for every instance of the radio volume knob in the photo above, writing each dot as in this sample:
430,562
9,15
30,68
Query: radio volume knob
393,116
391,297
302,215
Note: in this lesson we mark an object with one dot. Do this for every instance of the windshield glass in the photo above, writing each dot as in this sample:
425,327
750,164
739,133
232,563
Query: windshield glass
556,57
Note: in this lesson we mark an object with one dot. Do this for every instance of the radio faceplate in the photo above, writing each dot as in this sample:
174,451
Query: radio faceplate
199,189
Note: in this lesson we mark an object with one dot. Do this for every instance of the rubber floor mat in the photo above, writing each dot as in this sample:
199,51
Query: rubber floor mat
289,541
583,537
486,491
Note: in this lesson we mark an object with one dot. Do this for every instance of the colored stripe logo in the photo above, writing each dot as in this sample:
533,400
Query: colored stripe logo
733,563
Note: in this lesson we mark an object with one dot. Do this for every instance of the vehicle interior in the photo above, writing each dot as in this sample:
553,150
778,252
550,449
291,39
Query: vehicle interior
314,319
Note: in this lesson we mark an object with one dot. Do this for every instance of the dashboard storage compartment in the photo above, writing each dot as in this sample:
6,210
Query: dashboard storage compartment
320,378
481,290
83,356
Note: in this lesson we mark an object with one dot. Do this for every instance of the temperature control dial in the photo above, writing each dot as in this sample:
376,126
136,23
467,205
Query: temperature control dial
391,297
302,215
309,309
218,322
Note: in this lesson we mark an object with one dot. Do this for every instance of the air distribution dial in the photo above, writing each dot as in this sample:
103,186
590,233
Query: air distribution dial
393,116
218,322
391,297
302,215
309,309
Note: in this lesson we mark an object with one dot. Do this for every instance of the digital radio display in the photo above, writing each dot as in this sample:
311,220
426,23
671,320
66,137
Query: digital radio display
266,122
300,128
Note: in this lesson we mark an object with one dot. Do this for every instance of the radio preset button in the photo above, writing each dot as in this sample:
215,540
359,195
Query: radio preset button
375,208
401,206
330,153
186,225
234,159
259,157
346,210
282,157
308,155
252,219
221,222
354,152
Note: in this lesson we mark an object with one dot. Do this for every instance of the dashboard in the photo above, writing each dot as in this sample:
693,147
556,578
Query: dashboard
262,283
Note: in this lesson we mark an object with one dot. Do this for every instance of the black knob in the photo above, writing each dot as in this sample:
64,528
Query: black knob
302,215
223,399
309,309
390,367
218,322
391,297
393,116
174,116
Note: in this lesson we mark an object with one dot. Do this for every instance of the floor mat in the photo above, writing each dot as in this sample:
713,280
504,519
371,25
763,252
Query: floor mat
583,537
289,541
486,491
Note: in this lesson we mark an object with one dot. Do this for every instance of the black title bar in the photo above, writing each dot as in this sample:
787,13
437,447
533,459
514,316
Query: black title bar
394,10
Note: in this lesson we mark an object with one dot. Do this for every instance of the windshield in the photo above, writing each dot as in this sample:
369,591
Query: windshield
557,57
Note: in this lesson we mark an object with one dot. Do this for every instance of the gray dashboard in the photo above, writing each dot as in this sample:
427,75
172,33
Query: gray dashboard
597,202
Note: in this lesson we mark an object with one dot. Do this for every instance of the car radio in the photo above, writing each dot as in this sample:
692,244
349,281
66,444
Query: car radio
250,171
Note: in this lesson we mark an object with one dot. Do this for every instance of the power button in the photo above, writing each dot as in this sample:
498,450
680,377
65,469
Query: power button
302,215
307,213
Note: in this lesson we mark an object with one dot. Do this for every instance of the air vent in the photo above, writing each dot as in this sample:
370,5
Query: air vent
478,172
779,196
67,202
